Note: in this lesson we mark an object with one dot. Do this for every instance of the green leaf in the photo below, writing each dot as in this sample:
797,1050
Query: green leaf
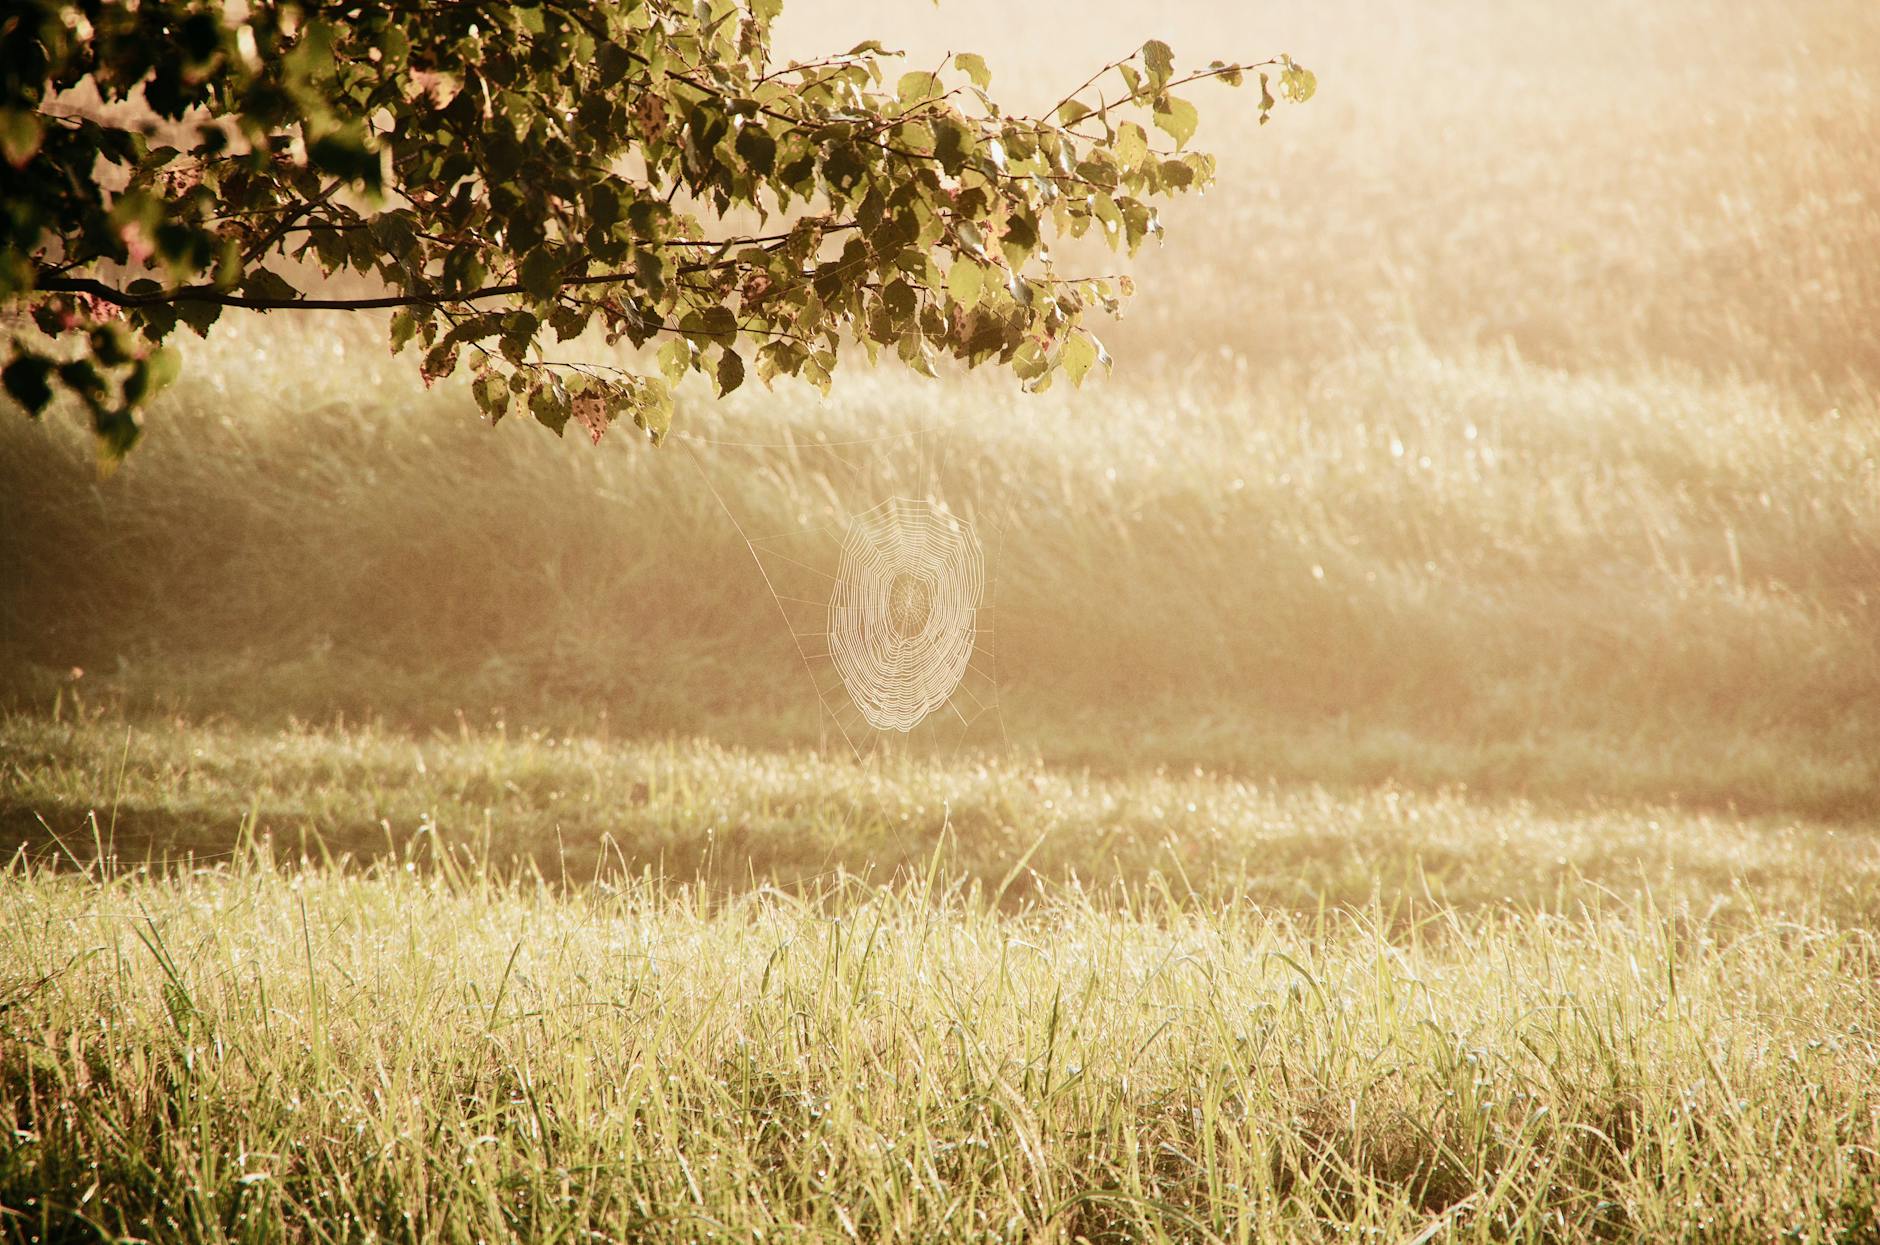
843,166
27,382
199,314
117,432
1132,144
492,395
652,410
200,37
614,62
267,284
518,329
1297,83
393,231
730,372
1104,208
474,329
164,366
1078,354
952,144
439,361
1030,361
917,87
82,377
966,280
550,408
974,66
704,127
20,136
899,298
1178,119
1021,238
136,384
758,148
111,344
723,323
344,153
816,373
404,328
569,321
1159,60
675,358
713,324
541,271
649,268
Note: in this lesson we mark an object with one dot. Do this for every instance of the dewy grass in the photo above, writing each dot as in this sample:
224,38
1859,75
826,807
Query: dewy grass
580,810
250,1054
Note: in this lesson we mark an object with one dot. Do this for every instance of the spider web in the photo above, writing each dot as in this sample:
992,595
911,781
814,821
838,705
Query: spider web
885,582
902,617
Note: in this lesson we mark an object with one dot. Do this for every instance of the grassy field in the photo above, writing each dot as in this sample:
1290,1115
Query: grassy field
249,1054
577,810
765,996
477,986
1429,788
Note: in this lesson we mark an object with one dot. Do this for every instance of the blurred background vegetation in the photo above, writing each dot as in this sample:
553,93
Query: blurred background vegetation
1510,417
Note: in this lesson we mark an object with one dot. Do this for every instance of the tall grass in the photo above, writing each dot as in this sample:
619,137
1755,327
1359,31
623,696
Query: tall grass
1474,550
1517,393
253,1055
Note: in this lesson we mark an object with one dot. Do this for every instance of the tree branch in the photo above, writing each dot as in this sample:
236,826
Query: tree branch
209,294
262,245
423,298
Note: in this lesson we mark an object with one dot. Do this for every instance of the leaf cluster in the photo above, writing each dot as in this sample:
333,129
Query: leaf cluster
500,171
